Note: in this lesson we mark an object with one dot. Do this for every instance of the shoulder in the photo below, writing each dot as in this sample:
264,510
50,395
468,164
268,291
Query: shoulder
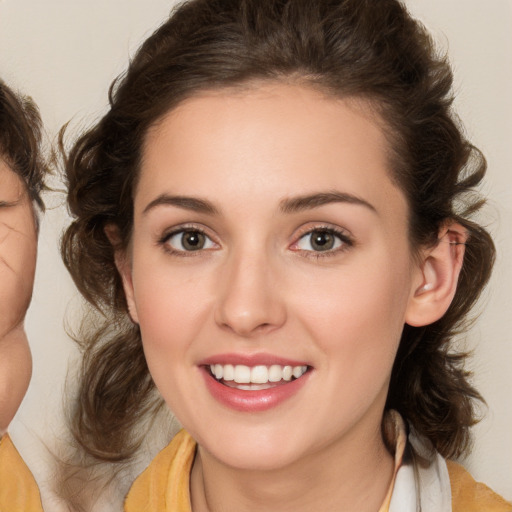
471,496
165,480
18,489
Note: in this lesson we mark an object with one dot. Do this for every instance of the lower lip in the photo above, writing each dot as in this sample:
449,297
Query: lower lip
252,400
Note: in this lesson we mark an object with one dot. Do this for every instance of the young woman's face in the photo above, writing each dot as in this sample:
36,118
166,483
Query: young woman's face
18,245
270,272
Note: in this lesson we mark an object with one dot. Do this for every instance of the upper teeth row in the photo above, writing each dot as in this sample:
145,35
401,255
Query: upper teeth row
256,374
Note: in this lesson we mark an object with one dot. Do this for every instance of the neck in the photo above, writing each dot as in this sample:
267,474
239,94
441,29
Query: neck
353,473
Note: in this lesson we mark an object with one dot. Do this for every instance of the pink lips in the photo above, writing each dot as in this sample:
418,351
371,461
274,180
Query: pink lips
250,360
251,400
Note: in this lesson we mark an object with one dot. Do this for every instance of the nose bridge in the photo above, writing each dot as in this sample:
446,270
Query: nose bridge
249,299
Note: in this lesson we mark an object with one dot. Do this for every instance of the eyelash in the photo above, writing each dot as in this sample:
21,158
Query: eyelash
342,236
346,242
163,241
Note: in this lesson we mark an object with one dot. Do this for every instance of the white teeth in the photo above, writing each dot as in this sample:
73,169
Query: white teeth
242,374
218,371
229,372
275,373
259,374
298,371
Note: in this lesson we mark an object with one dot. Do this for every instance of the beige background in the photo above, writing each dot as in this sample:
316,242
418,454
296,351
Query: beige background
65,54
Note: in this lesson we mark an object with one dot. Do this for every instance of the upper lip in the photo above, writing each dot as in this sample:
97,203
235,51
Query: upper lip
257,359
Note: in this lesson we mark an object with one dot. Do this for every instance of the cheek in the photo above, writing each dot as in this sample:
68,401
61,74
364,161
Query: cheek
356,315
171,305
18,249
172,310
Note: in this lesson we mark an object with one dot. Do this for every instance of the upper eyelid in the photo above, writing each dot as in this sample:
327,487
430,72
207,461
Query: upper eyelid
186,227
322,226
181,228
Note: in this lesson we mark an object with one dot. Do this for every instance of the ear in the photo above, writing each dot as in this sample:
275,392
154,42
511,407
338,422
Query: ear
435,283
123,264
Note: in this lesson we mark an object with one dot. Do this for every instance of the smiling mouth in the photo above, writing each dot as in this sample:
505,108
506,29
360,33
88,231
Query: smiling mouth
253,378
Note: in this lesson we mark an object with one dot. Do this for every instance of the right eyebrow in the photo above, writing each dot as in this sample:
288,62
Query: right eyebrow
185,202
7,204
308,202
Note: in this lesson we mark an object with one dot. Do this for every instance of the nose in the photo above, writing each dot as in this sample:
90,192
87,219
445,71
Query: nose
250,299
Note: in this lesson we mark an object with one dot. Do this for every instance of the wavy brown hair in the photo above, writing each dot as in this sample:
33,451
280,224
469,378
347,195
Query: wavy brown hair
20,140
365,49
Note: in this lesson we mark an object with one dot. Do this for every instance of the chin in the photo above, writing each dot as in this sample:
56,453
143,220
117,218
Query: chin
253,450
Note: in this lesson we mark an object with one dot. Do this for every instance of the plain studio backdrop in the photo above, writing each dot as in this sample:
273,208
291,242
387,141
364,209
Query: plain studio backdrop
65,54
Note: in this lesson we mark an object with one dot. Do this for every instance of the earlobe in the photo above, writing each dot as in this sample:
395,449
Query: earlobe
123,265
437,277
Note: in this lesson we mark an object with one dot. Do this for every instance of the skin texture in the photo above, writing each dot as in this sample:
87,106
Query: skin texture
18,246
258,287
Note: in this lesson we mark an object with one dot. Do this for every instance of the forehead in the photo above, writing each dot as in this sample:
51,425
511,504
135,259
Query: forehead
268,141
11,185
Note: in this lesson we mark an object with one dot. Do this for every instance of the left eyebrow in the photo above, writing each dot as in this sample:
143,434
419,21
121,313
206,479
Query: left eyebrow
184,202
308,202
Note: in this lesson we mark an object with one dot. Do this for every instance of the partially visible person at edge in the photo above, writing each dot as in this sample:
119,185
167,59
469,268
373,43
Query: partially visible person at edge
22,171
274,221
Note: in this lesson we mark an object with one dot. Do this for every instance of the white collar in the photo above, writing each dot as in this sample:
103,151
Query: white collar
422,483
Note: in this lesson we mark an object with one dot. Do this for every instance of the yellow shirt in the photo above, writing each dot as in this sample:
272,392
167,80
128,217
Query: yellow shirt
18,489
164,485
471,496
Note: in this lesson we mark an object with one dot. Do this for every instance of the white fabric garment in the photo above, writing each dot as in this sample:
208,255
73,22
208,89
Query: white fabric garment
422,483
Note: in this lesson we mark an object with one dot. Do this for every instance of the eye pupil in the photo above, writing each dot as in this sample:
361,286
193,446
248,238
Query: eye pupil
193,240
322,240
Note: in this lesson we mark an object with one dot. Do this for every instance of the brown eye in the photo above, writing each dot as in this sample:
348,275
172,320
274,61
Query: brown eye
189,240
320,240
192,240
